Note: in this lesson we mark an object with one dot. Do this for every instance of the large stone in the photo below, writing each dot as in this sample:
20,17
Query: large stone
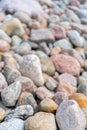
41,121
41,35
69,116
12,124
11,94
48,105
31,68
66,64
21,112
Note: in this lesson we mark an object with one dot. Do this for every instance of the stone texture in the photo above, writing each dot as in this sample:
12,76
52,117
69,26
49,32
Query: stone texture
3,83
43,92
4,36
65,77
59,97
41,35
12,124
48,105
31,68
70,113
21,112
58,31
15,26
2,114
11,94
75,38
66,64
41,121
27,84
67,88
27,98
82,88
4,46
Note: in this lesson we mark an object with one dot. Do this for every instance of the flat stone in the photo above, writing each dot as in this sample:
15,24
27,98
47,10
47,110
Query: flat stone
2,114
42,35
3,82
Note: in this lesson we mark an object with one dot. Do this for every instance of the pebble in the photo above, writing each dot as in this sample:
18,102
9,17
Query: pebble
41,35
21,112
66,77
58,31
16,40
31,68
27,84
54,19
70,113
4,36
67,88
82,88
12,124
2,114
66,64
63,43
4,46
10,94
15,26
43,92
75,38
48,105
3,82
27,98
59,97
41,120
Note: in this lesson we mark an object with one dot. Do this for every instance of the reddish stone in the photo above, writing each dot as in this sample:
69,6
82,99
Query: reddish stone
74,3
66,64
4,46
58,31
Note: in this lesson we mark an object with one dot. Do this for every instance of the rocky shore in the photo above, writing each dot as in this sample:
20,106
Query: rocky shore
43,65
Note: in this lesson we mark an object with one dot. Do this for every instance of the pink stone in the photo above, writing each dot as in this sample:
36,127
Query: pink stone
58,31
66,64
4,46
